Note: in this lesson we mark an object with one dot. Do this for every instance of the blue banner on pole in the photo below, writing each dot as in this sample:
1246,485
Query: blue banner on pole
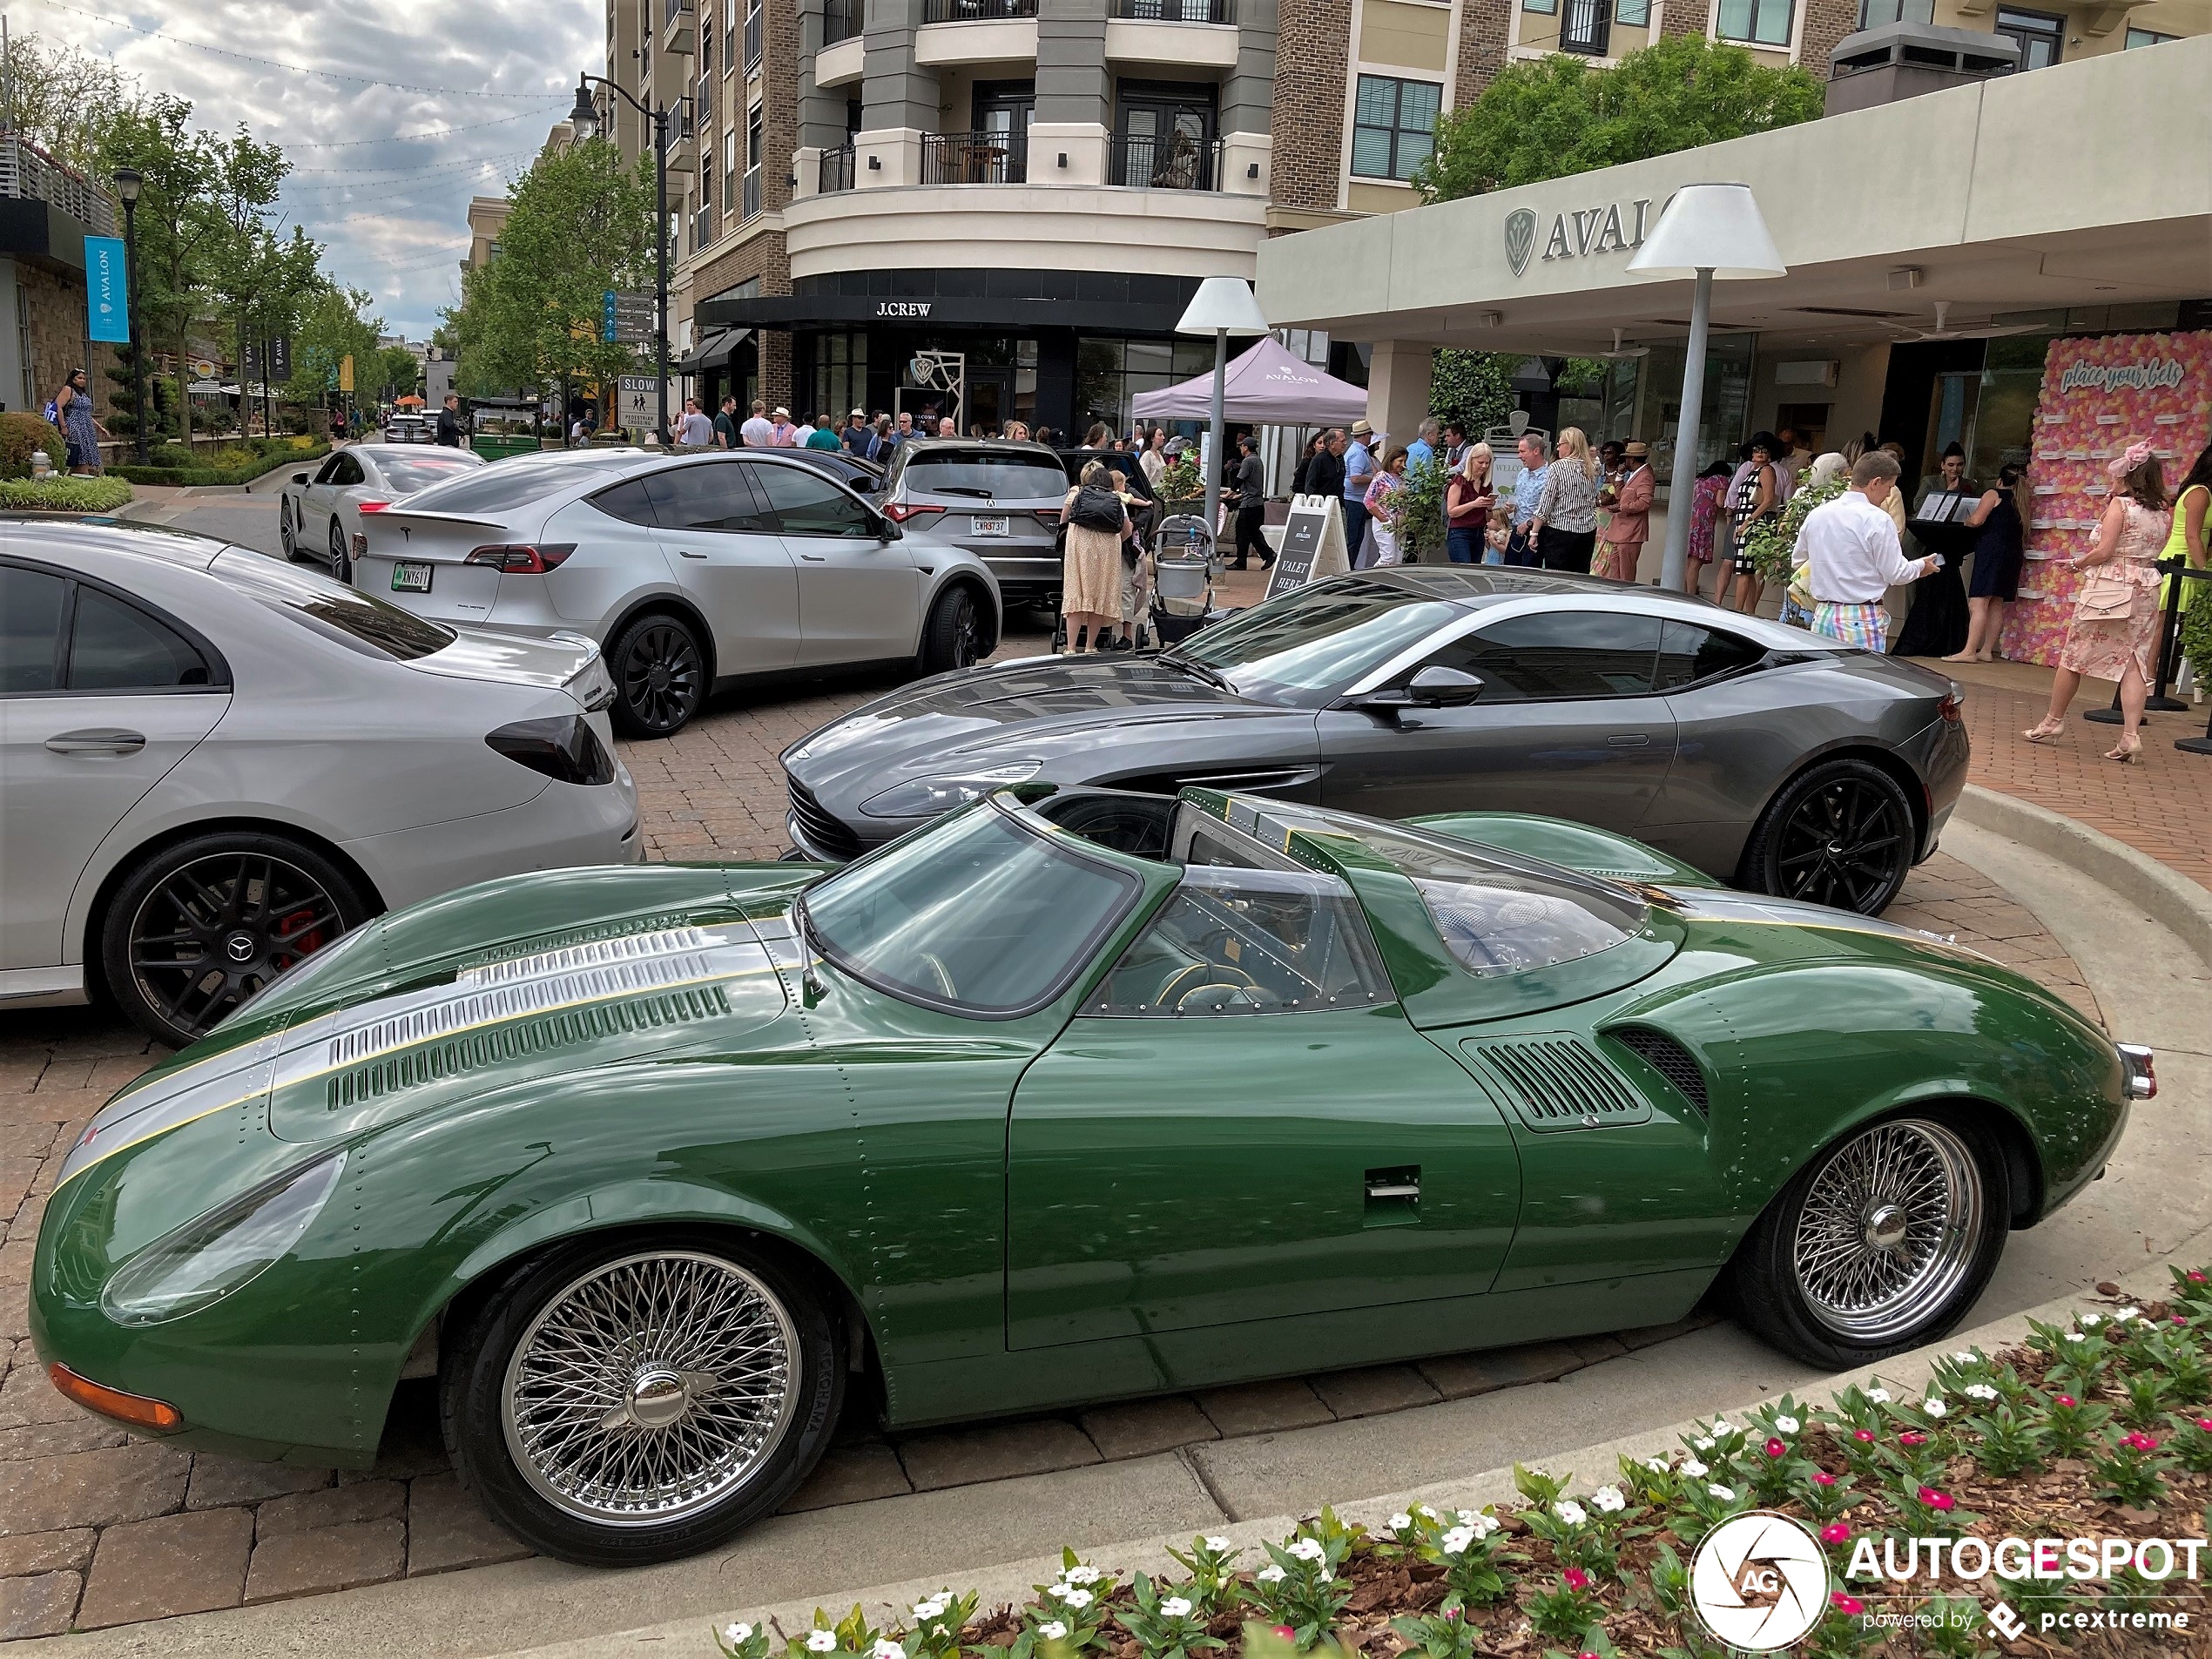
107,299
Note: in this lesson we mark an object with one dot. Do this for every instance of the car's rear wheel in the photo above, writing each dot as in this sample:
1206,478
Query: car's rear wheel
1840,833
1881,1243
953,636
624,1402
660,676
200,926
341,563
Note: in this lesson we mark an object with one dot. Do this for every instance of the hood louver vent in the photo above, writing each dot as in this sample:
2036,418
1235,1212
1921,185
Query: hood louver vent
1668,1058
1554,1082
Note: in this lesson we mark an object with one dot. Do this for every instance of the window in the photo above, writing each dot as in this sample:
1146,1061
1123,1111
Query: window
1305,647
730,167
631,502
353,619
979,914
1689,654
1542,8
1756,23
805,503
2147,38
751,35
329,470
1110,373
31,629
717,496
1872,14
1393,126
1633,14
117,647
840,376
2040,34
1557,654
1234,942
1587,28
419,472
755,143
981,476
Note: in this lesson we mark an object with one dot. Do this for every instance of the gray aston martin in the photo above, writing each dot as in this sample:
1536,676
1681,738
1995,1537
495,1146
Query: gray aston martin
1769,757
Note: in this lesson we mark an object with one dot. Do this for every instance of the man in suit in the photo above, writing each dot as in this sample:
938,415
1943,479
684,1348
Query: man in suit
1621,539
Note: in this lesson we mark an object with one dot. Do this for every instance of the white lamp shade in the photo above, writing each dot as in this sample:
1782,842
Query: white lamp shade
1714,228
1222,303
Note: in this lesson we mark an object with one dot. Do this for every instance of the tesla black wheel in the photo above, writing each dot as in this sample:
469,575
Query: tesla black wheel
199,927
953,636
660,677
1840,833
342,564
284,528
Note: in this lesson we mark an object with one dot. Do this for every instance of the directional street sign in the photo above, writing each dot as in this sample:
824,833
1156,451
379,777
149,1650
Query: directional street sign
625,316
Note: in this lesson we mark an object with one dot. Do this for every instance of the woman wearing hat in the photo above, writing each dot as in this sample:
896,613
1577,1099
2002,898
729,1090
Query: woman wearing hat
1620,544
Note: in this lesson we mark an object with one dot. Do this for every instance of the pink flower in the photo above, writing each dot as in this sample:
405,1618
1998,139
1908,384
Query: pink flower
1451,1613
1774,1448
1577,1579
1936,1499
2197,1278
1286,1632
2141,1442
1848,1605
2205,1423
1821,1477
1911,1437
1864,1436
2067,1400
1835,1532
2178,1319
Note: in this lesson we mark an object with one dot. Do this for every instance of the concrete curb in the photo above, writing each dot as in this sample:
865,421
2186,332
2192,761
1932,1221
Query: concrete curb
692,1638
2178,902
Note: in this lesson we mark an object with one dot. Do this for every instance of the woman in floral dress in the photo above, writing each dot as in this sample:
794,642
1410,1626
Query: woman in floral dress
2129,537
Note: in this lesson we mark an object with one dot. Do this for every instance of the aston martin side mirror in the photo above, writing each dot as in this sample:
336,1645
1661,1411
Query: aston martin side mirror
1433,687
299,477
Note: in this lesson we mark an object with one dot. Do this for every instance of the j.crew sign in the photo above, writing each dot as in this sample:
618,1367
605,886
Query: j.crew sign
1614,228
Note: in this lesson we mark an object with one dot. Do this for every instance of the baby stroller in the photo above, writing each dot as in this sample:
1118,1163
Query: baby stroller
1184,565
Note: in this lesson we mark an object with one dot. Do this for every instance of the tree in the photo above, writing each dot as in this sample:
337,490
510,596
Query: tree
242,257
173,225
1557,115
64,100
1474,388
333,326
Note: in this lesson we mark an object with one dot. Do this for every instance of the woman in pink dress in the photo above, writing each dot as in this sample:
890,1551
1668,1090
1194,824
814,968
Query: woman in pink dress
2104,640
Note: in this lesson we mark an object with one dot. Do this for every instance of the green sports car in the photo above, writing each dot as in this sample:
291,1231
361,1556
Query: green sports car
1073,1095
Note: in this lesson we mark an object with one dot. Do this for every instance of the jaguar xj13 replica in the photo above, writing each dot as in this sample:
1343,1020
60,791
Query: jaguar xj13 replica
1072,1094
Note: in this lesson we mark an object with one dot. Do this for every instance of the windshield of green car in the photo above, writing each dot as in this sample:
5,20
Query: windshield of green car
1305,647
981,915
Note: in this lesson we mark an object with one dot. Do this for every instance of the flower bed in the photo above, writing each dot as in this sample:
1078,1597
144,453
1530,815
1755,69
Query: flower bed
2097,1430
63,494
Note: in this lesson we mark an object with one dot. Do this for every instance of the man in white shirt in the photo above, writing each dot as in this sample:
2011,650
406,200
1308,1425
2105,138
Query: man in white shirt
757,432
1852,548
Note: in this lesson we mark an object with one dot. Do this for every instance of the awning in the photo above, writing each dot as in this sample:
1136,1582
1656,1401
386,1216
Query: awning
714,352
1268,385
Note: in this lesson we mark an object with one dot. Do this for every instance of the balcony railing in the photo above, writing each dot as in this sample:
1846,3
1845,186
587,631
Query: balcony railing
28,173
1177,10
974,158
679,16
1176,162
977,10
842,19
836,170
752,193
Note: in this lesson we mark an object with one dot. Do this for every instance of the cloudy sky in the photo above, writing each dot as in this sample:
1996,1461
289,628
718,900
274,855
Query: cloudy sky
340,84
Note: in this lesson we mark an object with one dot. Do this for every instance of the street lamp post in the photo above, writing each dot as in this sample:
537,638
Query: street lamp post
1704,231
128,182
584,120
1222,306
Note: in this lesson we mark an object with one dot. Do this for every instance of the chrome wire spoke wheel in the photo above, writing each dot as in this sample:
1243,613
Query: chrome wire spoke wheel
651,1388
1889,1229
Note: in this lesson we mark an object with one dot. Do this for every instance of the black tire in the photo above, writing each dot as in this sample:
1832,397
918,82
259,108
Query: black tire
341,563
285,538
196,929
660,676
1781,1298
957,632
532,1471
1840,833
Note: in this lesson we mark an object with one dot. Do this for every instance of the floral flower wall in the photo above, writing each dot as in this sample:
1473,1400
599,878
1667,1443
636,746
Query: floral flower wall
2098,394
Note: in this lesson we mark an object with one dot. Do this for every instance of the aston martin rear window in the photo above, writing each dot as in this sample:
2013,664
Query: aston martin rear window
358,621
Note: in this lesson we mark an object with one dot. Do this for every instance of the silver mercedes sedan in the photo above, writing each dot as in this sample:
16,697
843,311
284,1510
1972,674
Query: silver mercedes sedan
319,511
689,570
216,764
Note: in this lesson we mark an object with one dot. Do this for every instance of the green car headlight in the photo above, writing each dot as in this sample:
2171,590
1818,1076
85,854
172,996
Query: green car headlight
208,1257
926,797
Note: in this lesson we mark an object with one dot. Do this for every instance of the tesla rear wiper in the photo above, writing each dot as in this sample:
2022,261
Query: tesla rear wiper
1197,670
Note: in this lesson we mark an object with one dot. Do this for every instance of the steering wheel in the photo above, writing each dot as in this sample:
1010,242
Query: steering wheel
1177,988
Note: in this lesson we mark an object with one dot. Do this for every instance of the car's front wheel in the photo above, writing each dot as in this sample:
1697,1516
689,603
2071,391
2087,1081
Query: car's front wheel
953,636
1881,1243
284,529
1840,833
624,1402
341,563
660,676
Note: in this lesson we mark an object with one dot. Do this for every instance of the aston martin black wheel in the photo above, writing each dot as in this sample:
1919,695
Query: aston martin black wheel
341,563
660,676
1881,1243
623,1401
1840,833
196,929
955,634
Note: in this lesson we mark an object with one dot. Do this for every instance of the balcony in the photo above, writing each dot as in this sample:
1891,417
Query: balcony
1175,162
680,26
1175,10
977,10
842,20
974,158
836,172
28,173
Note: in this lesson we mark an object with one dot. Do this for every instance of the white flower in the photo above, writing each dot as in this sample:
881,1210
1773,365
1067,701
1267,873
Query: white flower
1879,1396
1726,1494
932,1608
821,1642
1609,1499
1456,1540
1083,1575
1399,1522
1059,1586
737,1634
1481,1526
1269,1574
886,1649
1175,1607
1979,1391
1703,1442
1306,1549
1053,1631
2129,1313
1327,1577
1935,1407
1077,1599
1219,1546
1787,1425
2148,1325
1540,1472
1722,1425
2088,1319
1467,1517
1657,1465
1570,1512
1966,1357
1694,1469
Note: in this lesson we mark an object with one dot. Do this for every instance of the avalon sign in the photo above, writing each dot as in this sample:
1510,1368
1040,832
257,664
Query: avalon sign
1617,228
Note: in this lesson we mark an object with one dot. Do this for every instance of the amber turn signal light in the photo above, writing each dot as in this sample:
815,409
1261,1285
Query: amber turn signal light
135,1409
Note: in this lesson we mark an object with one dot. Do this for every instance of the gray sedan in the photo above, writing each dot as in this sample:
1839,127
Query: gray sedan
1765,756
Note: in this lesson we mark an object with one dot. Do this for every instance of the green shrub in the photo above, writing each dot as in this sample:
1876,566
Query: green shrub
200,471
20,433
63,494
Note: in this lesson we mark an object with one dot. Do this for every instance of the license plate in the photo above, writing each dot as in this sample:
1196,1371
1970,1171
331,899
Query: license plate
410,578
994,526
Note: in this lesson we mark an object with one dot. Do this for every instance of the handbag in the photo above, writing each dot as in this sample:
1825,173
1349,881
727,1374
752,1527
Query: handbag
2106,596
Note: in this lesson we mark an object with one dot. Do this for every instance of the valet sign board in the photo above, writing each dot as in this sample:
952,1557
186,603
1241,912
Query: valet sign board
2100,394
1312,544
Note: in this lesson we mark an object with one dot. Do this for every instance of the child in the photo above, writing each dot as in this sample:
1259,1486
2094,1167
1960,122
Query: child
1499,533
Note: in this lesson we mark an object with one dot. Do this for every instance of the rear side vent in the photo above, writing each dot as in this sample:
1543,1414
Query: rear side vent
1554,1082
1667,1058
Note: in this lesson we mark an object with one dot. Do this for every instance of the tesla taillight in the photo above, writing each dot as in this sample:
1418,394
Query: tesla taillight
523,558
898,511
